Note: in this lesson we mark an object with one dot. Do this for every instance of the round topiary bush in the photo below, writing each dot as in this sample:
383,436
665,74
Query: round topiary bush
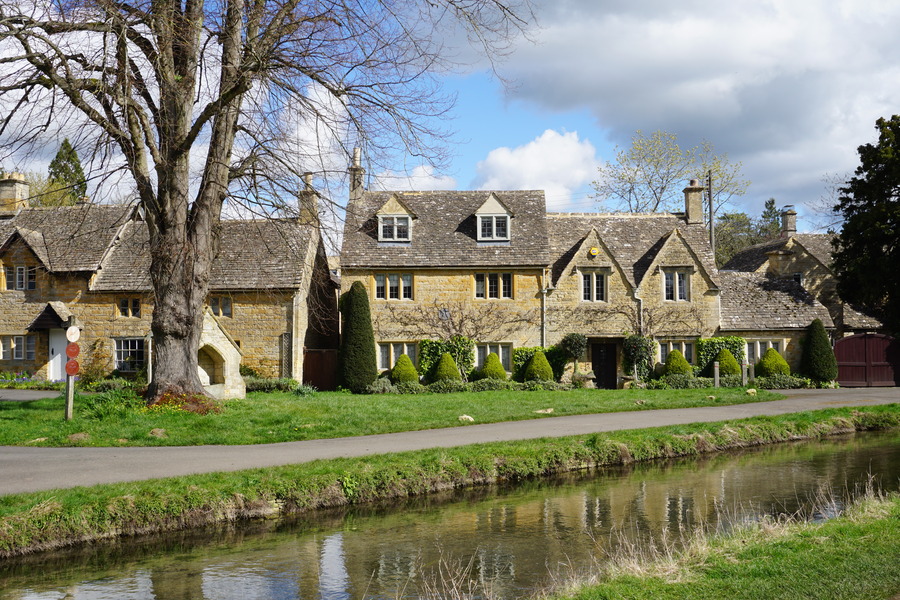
818,361
492,368
538,368
772,363
677,364
404,371
728,365
446,369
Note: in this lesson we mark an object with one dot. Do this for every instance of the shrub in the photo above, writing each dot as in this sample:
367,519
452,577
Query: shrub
708,349
404,371
677,364
109,385
573,346
538,369
554,355
461,348
410,387
818,361
95,366
490,385
447,386
638,351
727,363
247,371
781,382
382,385
492,368
270,384
305,390
772,363
356,358
446,369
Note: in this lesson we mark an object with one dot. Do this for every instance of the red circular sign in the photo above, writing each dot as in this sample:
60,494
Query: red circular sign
73,350
72,367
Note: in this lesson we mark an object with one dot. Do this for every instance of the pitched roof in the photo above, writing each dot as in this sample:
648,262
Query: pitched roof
635,240
444,231
755,257
68,238
253,254
757,301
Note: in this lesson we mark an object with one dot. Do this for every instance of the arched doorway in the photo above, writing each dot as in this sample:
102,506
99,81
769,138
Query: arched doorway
211,366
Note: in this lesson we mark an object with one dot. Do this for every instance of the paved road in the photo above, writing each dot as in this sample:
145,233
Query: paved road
24,469
26,395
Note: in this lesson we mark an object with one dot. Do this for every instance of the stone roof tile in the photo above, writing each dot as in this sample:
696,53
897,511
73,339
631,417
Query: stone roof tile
756,302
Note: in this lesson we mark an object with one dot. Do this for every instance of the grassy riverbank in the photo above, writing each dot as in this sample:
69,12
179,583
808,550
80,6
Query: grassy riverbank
285,417
46,520
854,556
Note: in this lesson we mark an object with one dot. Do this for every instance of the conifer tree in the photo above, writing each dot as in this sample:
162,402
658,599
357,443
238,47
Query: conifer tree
356,359
818,361
65,172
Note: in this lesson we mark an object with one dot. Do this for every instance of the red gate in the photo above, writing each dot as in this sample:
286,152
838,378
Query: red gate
320,368
868,360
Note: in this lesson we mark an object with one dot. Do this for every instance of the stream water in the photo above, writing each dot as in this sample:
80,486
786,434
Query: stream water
510,540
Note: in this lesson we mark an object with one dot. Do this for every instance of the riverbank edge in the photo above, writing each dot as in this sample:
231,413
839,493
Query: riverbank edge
45,521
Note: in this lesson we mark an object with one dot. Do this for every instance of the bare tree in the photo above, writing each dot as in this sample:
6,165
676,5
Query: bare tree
200,103
482,323
649,320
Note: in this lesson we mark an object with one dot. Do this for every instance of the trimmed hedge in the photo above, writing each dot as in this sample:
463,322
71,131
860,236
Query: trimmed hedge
493,368
708,349
555,356
818,361
772,363
538,368
727,363
446,369
461,348
404,371
677,364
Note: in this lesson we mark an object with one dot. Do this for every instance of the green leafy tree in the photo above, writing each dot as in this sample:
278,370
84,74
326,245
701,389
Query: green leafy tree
538,368
573,345
638,353
772,363
768,226
677,364
404,371
65,172
357,366
818,361
728,365
737,231
446,369
866,251
493,368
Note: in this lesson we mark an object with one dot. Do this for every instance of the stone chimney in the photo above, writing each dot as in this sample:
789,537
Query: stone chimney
14,192
693,203
357,173
308,200
788,221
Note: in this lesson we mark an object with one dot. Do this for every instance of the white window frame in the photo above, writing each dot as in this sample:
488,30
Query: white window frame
490,223
393,224
755,348
6,347
221,306
589,291
494,286
389,352
21,277
18,347
687,347
125,349
679,282
394,286
503,350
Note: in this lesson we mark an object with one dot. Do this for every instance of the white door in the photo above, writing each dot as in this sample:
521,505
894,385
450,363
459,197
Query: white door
57,362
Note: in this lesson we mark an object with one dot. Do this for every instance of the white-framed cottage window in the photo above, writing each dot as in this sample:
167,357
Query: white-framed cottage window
393,286
494,285
389,352
676,285
21,278
130,356
686,347
393,228
493,228
756,348
502,350
593,286
19,347
221,306
129,307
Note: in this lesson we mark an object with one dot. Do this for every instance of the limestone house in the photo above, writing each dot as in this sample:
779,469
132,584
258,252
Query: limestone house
271,302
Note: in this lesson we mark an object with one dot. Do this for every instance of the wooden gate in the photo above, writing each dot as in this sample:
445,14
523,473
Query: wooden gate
320,368
868,360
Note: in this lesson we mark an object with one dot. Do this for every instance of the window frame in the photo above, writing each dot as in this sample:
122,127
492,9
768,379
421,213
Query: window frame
666,345
390,347
490,221
589,291
676,282
759,347
132,307
504,351
218,303
494,285
392,222
394,286
123,355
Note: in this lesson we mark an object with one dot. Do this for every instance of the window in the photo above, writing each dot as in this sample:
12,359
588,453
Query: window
676,285
504,351
494,285
389,352
756,348
493,228
220,306
130,354
129,307
798,277
685,347
393,229
593,286
17,347
21,278
394,286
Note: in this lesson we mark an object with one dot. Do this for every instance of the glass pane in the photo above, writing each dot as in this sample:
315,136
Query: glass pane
402,228
751,352
505,353
507,285
411,353
493,284
20,278
479,285
32,278
487,227
398,350
586,287
379,287
394,286
682,286
123,307
384,356
387,228
670,286
481,356
135,307
501,231
689,352
777,346
407,287
599,287
663,351
226,307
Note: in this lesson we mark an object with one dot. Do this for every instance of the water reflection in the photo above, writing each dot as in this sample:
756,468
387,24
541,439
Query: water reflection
511,539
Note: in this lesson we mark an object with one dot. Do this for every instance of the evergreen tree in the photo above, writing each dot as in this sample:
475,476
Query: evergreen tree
404,371
446,369
538,368
818,361
356,359
66,172
772,363
768,226
493,368
728,364
677,364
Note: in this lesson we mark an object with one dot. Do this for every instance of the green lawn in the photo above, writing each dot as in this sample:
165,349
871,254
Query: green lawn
274,417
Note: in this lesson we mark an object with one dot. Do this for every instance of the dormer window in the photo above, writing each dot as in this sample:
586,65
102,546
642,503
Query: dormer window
493,228
393,228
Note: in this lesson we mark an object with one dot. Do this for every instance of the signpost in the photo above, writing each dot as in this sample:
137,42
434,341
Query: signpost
72,351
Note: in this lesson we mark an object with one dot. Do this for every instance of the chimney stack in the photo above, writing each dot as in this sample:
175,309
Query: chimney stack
693,203
14,192
357,173
788,221
309,202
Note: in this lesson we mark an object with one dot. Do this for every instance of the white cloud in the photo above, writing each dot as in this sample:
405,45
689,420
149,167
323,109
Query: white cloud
558,163
421,178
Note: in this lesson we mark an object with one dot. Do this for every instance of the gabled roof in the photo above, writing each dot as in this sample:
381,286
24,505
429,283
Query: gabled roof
755,257
757,301
634,240
605,258
445,231
68,238
253,254
657,255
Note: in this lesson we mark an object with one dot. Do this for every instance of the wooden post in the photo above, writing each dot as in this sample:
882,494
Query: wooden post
744,374
70,397
716,374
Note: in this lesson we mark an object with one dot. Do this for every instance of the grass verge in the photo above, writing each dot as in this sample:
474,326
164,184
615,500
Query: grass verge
46,520
283,417
853,556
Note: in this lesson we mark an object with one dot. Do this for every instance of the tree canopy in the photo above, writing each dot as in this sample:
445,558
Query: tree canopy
651,174
65,172
867,250
736,231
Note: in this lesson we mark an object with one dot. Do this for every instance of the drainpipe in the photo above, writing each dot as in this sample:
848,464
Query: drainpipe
545,289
